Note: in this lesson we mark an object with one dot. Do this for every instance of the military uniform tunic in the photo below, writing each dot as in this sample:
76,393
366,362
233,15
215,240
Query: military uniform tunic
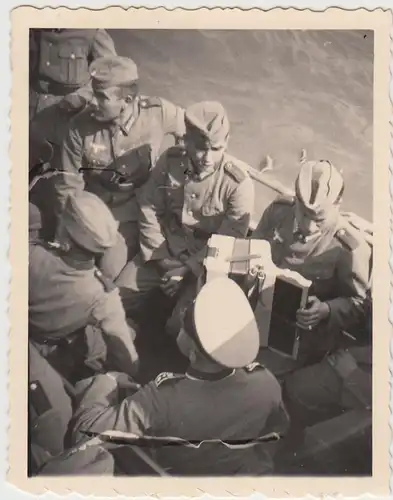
59,63
109,154
65,296
238,404
337,262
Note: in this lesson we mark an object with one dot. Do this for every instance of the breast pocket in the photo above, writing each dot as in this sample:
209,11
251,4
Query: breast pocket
212,216
73,64
174,196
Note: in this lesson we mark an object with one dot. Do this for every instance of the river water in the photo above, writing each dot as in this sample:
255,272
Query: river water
284,91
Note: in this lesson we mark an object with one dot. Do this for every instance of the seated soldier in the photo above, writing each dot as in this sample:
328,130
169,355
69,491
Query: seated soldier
67,293
341,381
308,235
194,191
224,394
112,145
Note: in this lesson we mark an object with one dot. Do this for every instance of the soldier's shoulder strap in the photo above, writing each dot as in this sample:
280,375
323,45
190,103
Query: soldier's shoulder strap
150,102
107,283
285,199
348,238
165,378
252,367
237,173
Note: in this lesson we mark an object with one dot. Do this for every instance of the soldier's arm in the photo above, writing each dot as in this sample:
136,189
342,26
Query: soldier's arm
173,119
108,313
69,179
99,408
353,275
152,208
236,221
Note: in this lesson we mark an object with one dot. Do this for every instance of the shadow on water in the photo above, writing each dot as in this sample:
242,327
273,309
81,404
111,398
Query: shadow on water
283,90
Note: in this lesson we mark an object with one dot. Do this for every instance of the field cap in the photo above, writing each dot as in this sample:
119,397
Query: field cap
89,222
318,186
112,71
209,120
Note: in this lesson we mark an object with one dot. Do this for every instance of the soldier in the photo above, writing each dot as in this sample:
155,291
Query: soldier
67,293
341,381
59,76
194,192
59,88
50,411
112,148
308,235
221,339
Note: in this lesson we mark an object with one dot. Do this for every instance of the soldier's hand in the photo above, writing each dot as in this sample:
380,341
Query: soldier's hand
172,280
313,314
124,381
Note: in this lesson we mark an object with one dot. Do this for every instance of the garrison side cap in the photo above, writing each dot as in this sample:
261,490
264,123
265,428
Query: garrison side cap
112,71
89,222
209,120
223,324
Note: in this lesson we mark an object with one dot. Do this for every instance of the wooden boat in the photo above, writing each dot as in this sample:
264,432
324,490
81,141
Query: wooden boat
326,439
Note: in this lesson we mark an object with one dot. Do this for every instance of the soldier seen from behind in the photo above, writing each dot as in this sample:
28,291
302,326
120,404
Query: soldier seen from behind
76,318
220,338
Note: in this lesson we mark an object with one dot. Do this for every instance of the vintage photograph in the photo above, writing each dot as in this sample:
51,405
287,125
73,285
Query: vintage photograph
200,293
200,252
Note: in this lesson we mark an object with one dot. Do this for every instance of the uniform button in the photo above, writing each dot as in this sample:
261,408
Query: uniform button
33,387
193,196
47,63
72,56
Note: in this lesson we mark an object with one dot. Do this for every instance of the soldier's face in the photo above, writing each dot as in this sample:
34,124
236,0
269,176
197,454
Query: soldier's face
109,104
308,225
204,156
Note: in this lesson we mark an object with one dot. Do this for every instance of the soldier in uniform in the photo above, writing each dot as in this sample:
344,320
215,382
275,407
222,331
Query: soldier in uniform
221,340
59,88
195,191
342,381
111,148
67,293
50,411
308,235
